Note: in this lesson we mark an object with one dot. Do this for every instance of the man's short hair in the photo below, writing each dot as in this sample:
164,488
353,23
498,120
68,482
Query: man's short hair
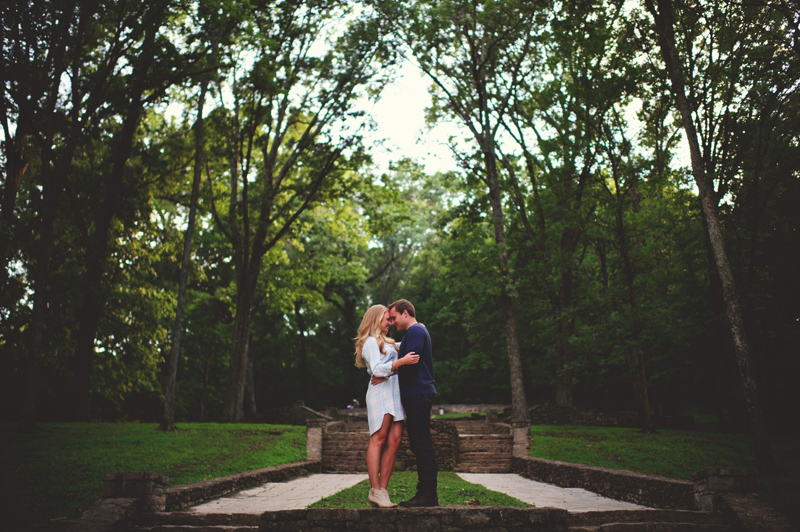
403,305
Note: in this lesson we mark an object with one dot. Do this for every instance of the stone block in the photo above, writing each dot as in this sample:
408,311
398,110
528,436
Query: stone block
417,521
146,486
106,515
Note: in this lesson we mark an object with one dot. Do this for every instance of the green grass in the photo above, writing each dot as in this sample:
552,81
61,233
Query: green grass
452,490
46,479
669,453
673,454
49,477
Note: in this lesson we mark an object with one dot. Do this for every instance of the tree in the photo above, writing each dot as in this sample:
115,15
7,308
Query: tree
168,420
141,69
475,55
61,65
285,139
663,16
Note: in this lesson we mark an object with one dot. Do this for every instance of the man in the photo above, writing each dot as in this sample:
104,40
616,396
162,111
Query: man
418,394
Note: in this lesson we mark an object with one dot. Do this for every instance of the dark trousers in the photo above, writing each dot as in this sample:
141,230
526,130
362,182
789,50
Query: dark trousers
418,424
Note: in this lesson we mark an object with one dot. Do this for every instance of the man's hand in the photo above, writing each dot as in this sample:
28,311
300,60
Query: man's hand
377,380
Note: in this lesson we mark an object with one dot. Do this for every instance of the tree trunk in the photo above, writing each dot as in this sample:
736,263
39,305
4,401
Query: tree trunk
97,243
96,256
250,407
233,410
27,415
204,389
564,330
635,355
302,365
90,313
15,168
666,40
519,404
168,419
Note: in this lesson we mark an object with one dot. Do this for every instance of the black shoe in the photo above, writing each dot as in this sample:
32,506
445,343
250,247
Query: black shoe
420,501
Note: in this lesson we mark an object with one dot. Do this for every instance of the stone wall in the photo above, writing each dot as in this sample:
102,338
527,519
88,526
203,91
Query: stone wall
186,495
470,409
445,442
648,490
444,518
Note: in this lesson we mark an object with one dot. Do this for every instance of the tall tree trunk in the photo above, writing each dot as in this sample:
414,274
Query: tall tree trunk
96,256
204,389
168,419
302,365
90,314
519,404
635,355
97,246
15,168
237,372
53,174
50,190
250,408
564,329
664,23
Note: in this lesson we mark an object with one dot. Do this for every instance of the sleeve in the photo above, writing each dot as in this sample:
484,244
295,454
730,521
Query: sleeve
372,356
414,341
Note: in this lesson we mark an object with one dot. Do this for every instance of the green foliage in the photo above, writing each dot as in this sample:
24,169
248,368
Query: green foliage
452,490
55,474
606,248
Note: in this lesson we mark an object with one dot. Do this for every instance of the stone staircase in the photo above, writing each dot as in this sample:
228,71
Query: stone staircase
610,521
647,521
196,522
345,450
483,447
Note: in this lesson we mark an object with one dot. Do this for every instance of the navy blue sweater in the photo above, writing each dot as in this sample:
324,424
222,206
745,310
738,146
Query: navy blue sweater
417,379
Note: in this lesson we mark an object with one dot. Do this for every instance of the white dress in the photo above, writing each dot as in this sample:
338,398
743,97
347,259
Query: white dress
383,398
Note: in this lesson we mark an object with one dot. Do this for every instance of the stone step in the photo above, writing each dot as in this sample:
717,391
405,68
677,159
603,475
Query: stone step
196,528
196,522
503,447
652,527
479,457
596,518
344,468
345,449
346,435
467,468
481,427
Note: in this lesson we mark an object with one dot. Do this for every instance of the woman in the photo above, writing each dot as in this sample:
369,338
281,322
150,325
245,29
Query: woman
378,353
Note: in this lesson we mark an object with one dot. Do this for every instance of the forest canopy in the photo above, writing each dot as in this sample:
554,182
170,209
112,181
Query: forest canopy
191,209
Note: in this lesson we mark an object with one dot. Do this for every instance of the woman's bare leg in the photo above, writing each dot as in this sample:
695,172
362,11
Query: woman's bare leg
390,454
376,442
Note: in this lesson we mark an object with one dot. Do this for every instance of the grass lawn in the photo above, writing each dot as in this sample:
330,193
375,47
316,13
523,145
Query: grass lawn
47,478
672,453
452,490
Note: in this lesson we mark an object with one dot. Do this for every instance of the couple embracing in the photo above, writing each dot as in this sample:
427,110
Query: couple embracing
400,391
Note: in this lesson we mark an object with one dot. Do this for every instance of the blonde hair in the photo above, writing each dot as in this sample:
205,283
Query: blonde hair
371,327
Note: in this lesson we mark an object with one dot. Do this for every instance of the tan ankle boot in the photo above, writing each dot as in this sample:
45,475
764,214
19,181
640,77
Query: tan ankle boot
375,497
387,499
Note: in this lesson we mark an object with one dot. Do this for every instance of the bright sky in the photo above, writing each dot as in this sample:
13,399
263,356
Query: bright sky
400,116
402,132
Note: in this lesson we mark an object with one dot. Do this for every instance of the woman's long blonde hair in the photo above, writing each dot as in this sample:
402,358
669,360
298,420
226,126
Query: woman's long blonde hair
371,326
